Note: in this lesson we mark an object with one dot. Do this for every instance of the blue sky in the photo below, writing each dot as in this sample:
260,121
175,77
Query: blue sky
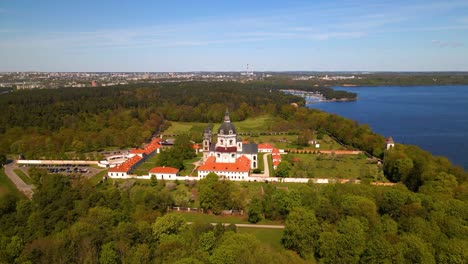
219,35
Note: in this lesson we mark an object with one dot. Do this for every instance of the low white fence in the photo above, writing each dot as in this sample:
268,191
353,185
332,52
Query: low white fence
56,162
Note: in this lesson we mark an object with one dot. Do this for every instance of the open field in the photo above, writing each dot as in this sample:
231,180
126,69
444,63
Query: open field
231,219
23,176
333,166
289,141
250,125
268,236
265,235
7,187
184,127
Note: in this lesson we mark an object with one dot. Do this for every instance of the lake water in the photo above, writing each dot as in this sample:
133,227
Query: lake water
434,118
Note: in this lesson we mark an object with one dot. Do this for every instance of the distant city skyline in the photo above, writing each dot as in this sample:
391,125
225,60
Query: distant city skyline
178,36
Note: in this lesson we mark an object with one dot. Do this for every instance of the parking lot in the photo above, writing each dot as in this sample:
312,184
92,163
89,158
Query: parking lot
84,170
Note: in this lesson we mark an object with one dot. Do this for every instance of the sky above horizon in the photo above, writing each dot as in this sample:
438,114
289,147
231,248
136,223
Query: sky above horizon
150,36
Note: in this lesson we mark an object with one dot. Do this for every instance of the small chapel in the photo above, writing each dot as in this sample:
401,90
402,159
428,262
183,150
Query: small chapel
227,155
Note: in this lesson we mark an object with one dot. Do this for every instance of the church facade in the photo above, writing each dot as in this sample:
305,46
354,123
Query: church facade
227,150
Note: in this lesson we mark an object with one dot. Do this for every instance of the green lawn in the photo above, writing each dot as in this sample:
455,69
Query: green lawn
96,178
23,176
250,125
271,237
332,166
288,141
185,127
188,166
7,187
270,166
145,167
231,219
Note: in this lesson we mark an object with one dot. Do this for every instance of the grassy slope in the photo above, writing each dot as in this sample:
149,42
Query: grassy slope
271,237
253,125
96,178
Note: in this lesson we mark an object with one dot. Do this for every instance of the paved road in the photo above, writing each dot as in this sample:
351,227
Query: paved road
250,225
20,184
266,168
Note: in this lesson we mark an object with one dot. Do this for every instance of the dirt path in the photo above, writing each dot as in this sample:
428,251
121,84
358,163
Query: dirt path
19,183
266,167
250,225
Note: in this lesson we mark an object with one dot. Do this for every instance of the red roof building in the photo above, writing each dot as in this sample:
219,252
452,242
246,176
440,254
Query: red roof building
123,169
238,170
275,157
164,170
265,148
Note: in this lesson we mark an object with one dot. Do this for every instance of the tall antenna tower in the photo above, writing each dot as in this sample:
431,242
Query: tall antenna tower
249,71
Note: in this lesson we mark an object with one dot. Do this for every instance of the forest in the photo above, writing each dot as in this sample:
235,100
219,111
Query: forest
52,123
422,219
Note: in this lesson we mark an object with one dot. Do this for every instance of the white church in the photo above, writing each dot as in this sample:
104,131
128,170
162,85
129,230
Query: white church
228,155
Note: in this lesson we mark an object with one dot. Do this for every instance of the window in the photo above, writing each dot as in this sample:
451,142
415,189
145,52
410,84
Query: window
233,155
221,131
219,155
254,157
230,142
222,141
230,132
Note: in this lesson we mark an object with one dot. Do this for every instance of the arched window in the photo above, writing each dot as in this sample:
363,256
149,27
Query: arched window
230,132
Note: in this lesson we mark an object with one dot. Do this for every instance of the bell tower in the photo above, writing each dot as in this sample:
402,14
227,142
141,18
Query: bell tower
207,136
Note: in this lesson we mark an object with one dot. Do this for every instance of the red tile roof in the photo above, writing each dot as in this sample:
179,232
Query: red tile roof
265,146
242,164
165,170
152,146
137,151
127,165
196,146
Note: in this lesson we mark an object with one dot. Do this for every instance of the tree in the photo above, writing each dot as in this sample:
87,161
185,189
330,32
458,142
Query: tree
167,225
3,159
255,210
206,192
301,232
283,169
108,254
346,244
153,181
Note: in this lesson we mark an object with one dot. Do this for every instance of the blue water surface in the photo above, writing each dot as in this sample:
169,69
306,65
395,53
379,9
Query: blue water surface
434,118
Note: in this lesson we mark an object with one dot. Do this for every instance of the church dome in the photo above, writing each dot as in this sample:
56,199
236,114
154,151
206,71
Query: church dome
227,128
